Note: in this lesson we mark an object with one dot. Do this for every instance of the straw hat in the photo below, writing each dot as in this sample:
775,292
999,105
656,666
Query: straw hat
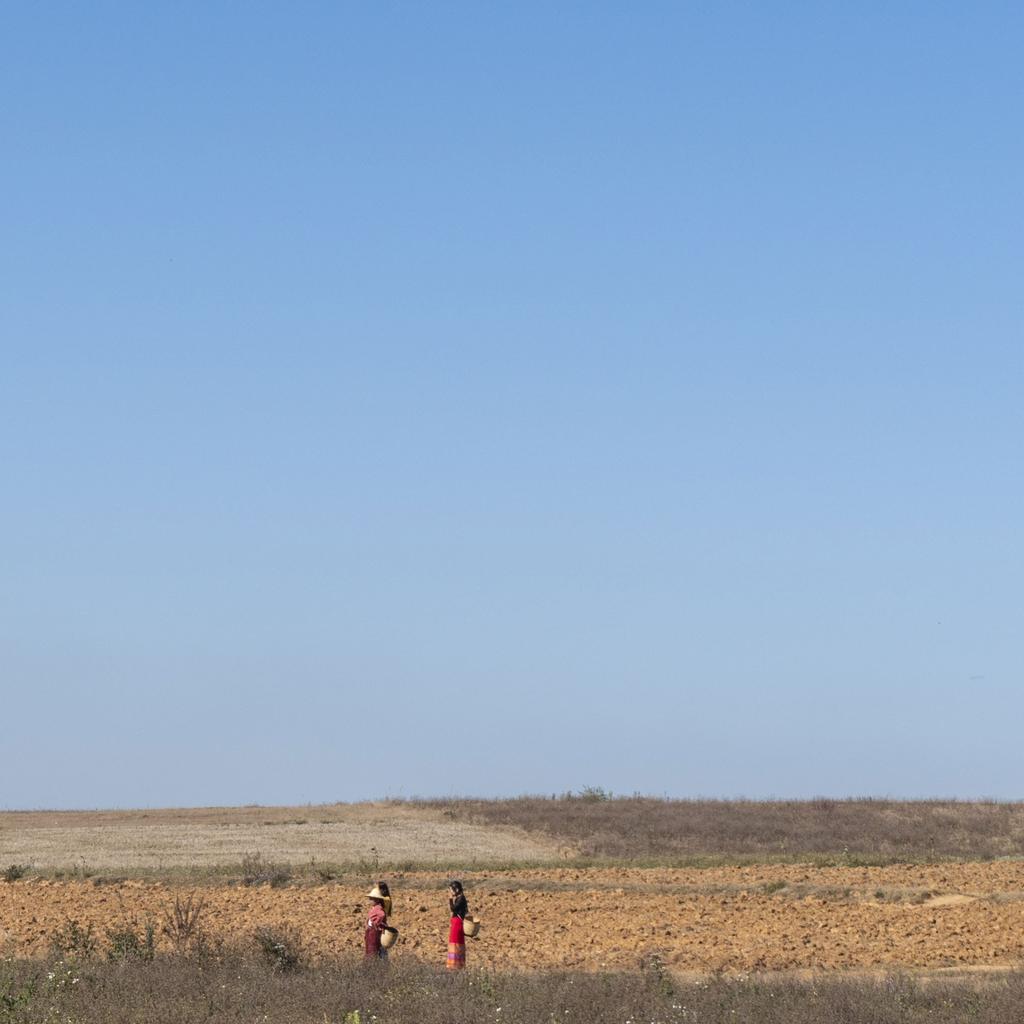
376,894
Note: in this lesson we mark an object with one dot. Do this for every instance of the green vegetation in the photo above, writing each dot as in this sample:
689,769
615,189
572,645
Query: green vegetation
127,943
74,941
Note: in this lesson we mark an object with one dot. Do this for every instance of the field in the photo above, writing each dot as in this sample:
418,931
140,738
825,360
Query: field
735,919
207,837
680,891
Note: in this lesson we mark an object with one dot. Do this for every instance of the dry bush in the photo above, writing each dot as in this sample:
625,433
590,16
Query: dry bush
182,924
73,941
173,989
257,870
282,949
130,943
868,829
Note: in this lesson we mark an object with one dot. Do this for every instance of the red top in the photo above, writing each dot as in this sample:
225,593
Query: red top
375,922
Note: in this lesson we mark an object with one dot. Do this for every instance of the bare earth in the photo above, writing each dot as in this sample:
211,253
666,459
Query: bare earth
721,919
334,833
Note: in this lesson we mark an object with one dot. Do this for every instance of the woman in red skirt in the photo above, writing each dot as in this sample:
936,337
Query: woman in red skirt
456,936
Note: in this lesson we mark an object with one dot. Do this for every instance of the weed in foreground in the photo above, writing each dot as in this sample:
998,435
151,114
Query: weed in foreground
72,940
182,924
281,948
241,989
127,944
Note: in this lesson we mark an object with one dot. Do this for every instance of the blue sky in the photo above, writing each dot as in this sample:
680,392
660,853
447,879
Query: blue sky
410,399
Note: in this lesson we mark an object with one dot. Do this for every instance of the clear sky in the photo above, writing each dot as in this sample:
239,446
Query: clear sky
419,399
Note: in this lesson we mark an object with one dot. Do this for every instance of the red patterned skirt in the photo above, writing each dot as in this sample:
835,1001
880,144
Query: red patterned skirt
456,945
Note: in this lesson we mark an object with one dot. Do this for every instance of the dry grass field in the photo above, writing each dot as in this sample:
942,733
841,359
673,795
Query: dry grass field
867,830
134,841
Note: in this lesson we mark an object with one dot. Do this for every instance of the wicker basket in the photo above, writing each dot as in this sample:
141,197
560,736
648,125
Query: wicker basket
471,927
388,937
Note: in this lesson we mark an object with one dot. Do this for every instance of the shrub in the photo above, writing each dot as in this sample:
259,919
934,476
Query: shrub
281,948
127,945
256,870
182,924
74,941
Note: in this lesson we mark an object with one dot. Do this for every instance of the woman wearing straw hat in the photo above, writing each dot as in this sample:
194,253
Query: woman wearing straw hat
376,923
456,930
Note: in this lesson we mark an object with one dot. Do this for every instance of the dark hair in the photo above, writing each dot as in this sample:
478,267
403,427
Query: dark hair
456,885
384,890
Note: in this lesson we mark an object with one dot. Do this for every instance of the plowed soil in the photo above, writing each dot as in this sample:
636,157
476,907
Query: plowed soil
772,918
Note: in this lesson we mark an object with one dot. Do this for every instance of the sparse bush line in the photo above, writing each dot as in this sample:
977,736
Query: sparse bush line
348,874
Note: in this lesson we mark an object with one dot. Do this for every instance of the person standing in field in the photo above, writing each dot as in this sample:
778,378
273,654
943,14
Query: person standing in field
456,929
376,922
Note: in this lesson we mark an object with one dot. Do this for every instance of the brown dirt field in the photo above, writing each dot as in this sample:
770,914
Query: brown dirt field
735,919
333,833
